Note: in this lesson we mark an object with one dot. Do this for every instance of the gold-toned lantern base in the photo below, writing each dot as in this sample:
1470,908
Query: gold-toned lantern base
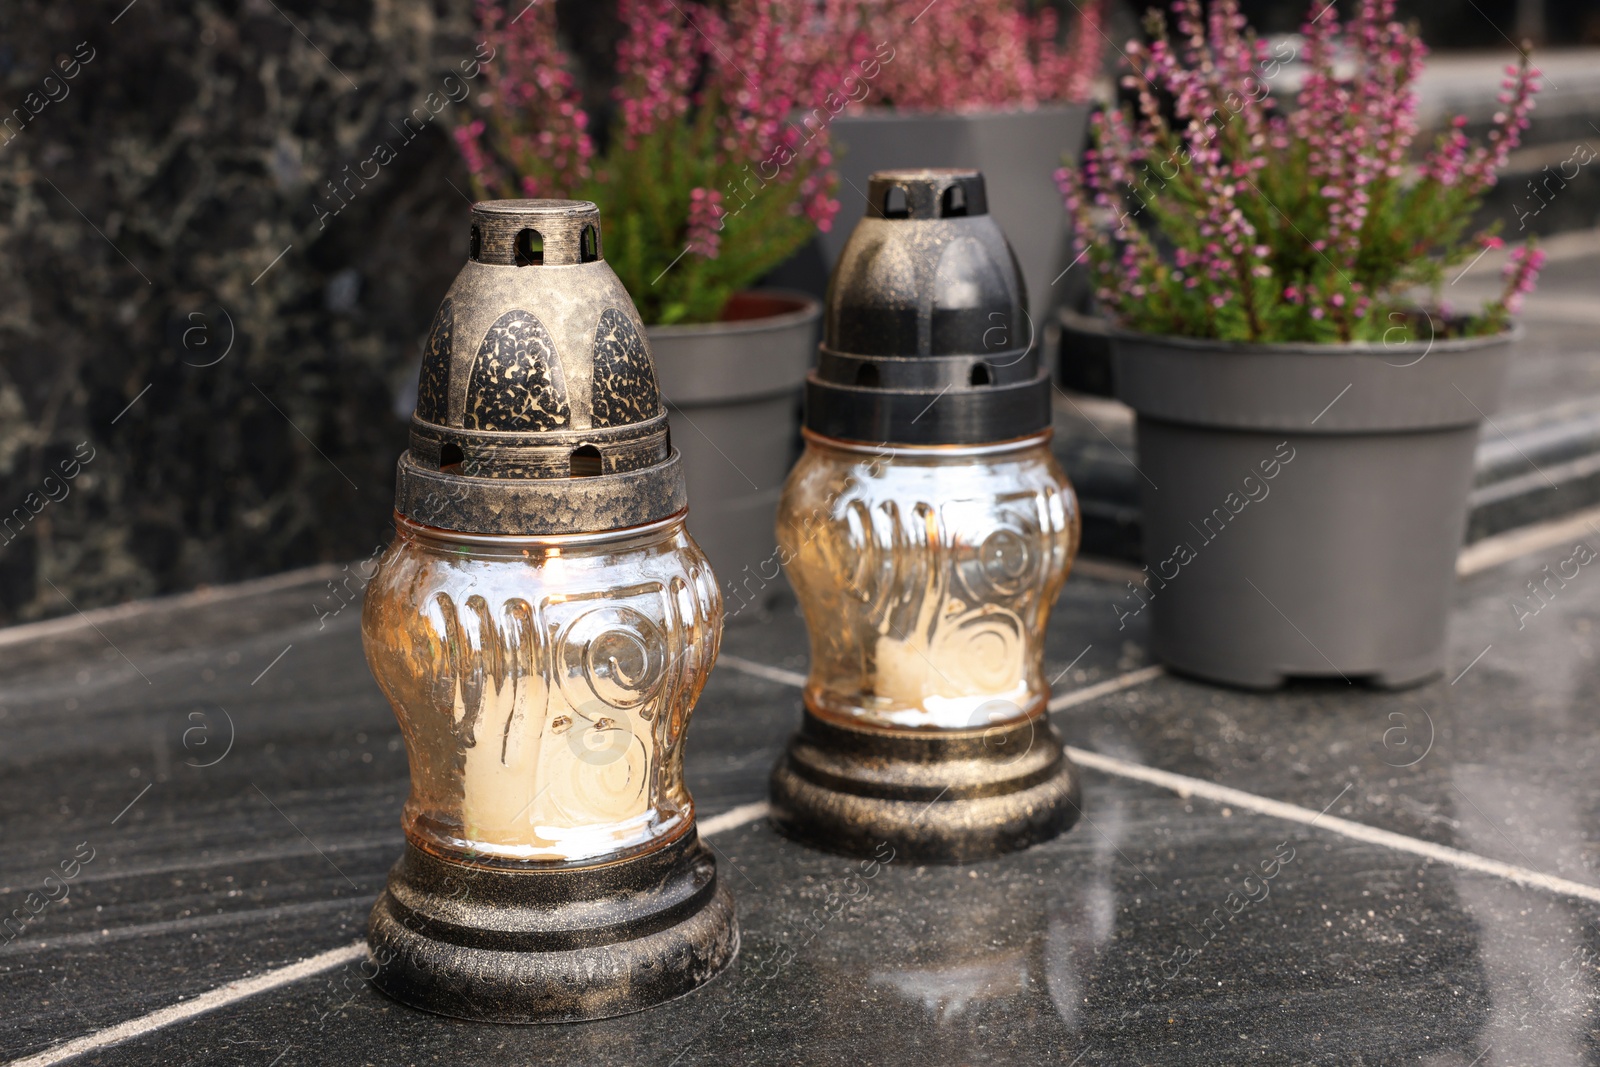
934,796
549,946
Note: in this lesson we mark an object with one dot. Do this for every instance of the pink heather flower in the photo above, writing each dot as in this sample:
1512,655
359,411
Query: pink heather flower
535,127
968,55
656,64
1476,169
821,209
1345,120
722,97
705,222
1521,272
468,137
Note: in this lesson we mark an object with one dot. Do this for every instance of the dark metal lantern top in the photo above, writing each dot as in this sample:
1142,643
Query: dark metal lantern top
537,407
926,336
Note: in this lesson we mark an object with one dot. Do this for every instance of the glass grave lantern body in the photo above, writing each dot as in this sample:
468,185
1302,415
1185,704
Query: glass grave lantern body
542,625
543,686
926,576
927,531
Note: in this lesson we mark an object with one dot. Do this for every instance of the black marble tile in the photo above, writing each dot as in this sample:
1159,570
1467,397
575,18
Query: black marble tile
1076,951
1116,944
262,798
1498,756
231,825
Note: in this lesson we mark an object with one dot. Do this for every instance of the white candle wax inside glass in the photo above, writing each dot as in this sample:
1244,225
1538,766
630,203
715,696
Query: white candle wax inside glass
543,688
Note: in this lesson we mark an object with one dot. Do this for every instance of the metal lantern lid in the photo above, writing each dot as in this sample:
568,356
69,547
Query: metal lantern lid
926,337
537,409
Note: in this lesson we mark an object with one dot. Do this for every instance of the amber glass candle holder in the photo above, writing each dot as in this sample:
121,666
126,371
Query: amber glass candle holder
926,531
542,625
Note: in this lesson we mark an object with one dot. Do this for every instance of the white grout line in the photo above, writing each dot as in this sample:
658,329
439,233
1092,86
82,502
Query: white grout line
220,997
733,818
1100,689
1513,544
1185,786
198,598
761,670
244,988
1107,570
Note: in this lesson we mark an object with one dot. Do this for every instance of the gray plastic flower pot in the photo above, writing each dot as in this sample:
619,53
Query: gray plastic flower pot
1303,505
732,391
1080,346
1018,152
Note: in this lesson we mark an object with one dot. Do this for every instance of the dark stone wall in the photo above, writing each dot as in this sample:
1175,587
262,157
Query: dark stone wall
160,248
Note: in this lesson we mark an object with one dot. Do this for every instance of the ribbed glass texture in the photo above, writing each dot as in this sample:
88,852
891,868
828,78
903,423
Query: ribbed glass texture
926,576
543,686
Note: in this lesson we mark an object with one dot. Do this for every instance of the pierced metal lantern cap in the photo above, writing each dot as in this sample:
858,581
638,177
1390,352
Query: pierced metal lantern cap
538,410
926,336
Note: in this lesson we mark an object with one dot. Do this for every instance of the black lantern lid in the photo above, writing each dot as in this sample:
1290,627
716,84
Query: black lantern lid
537,408
926,337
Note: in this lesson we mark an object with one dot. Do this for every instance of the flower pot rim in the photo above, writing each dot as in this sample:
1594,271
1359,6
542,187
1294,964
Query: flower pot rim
1360,388
810,309
1310,348
886,112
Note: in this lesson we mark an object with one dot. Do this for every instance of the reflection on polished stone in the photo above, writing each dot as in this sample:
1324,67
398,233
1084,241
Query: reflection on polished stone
1358,954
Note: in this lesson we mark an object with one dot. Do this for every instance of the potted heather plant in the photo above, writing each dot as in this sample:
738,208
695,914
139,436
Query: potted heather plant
982,84
1306,420
706,181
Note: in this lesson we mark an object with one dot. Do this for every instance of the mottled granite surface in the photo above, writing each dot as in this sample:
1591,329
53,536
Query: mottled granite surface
186,312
